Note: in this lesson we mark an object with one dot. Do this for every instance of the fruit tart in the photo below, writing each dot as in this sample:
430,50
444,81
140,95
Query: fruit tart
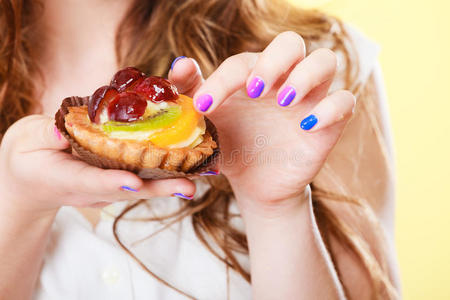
142,124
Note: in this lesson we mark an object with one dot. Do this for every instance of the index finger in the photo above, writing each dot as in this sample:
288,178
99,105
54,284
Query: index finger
229,78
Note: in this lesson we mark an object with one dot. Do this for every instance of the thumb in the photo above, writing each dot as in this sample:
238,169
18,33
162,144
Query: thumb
185,73
38,132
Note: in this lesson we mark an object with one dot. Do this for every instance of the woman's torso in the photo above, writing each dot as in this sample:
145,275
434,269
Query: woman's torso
86,262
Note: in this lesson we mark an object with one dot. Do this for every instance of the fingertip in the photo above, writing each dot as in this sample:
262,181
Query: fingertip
168,187
286,95
255,87
203,103
184,68
176,60
123,180
184,187
308,123
61,140
197,66
186,75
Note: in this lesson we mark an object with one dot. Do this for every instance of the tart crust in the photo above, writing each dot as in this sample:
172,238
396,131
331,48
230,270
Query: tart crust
140,154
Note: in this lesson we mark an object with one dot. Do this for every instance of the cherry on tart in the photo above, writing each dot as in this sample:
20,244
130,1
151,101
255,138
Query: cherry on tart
99,101
126,107
126,78
157,89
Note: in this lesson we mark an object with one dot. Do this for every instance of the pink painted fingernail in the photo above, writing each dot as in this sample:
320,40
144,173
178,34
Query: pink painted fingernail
203,102
256,87
286,96
57,133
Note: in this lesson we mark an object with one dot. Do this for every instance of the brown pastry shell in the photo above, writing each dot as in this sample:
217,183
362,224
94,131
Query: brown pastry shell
165,163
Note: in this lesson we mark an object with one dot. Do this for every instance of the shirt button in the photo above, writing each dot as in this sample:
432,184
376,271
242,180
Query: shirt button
110,276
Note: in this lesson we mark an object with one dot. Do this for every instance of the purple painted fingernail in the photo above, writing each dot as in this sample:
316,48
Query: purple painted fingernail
255,88
286,96
203,102
183,196
210,173
175,61
127,188
57,133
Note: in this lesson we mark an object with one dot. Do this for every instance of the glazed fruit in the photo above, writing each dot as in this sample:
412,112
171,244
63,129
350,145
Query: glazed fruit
157,89
99,101
126,78
126,107
161,120
134,102
182,128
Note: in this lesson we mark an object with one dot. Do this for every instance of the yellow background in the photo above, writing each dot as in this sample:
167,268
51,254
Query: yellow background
415,40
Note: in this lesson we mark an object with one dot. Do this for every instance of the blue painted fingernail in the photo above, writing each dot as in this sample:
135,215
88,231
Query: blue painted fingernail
255,88
175,61
183,196
308,122
209,173
127,188
286,96
203,102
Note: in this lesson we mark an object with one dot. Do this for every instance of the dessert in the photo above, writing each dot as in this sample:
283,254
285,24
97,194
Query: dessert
139,123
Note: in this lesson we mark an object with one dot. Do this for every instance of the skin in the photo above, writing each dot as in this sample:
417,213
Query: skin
285,259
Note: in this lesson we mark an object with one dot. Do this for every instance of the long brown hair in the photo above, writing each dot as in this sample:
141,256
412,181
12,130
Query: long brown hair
150,36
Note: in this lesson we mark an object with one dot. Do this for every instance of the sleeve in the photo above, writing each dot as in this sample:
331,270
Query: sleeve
323,249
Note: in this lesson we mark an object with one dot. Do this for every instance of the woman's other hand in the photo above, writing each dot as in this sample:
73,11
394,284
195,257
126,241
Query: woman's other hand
38,176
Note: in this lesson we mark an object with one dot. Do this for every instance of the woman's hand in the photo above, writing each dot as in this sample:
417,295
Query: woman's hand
37,176
274,144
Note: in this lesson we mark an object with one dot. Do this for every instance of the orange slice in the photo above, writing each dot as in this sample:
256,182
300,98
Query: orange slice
181,129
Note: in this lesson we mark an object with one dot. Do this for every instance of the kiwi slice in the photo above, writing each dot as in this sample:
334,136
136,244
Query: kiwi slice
163,118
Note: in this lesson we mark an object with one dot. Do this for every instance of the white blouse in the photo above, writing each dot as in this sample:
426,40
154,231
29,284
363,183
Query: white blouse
82,262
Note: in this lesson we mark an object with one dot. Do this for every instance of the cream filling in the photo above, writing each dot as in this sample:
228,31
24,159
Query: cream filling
192,141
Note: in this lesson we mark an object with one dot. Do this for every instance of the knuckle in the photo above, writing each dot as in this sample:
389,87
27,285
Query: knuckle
25,128
16,132
294,40
329,57
233,61
228,62
347,97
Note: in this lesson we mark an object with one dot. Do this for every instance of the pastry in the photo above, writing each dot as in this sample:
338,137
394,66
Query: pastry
139,122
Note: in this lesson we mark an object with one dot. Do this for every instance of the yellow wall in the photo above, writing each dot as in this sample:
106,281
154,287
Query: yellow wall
415,40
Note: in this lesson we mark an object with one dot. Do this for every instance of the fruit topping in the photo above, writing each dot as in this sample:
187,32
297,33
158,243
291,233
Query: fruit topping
126,107
100,100
182,128
126,79
157,89
162,119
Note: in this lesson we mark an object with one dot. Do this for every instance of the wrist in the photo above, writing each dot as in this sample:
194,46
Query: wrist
274,208
23,207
